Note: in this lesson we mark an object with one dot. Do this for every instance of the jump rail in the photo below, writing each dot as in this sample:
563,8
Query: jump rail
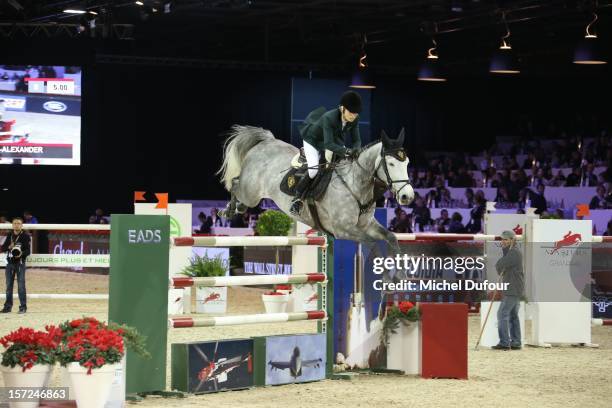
221,281
403,237
448,237
248,241
77,296
82,227
184,322
601,322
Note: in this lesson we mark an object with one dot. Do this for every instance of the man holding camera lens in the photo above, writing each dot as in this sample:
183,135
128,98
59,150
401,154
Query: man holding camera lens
17,247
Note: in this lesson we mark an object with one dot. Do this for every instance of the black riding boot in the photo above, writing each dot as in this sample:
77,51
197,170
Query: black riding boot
300,189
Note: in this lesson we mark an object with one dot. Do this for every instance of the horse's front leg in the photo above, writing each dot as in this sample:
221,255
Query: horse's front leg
376,232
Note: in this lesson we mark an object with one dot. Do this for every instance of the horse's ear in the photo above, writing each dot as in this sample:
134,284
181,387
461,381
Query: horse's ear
400,138
385,139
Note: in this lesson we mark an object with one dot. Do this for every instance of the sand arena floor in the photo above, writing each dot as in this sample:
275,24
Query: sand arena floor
532,377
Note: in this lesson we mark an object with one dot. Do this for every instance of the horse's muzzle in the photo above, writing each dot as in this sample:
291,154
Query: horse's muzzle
405,195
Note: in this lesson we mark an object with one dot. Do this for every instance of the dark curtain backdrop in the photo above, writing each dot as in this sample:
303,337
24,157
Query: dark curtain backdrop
161,128
152,129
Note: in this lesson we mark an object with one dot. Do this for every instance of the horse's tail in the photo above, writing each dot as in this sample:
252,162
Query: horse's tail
241,139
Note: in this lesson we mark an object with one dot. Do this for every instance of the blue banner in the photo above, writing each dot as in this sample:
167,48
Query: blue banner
54,105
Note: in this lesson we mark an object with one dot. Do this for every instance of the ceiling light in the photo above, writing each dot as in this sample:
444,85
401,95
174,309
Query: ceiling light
431,70
588,51
362,76
504,61
74,11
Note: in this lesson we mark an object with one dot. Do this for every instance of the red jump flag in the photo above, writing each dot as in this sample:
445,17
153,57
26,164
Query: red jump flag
139,196
583,210
162,200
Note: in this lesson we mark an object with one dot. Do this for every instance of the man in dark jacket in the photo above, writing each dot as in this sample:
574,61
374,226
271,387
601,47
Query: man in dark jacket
17,247
326,132
510,269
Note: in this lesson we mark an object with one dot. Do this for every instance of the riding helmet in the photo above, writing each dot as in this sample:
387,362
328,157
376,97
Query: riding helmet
351,101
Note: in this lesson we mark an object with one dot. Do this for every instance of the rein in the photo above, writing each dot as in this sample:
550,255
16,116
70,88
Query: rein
399,154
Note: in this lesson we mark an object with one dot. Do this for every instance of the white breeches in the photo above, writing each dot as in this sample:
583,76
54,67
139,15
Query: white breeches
312,158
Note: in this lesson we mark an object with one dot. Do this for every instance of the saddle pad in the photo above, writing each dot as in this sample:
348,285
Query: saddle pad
290,180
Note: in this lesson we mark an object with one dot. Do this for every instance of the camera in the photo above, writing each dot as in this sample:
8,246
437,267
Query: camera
16,251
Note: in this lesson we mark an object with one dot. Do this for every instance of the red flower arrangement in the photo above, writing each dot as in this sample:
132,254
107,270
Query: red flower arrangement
92,347
27,347
405,307
405,312
275,293
86,341
92,343
283,287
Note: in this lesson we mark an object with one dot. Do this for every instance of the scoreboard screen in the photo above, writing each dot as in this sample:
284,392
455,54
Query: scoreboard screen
40,115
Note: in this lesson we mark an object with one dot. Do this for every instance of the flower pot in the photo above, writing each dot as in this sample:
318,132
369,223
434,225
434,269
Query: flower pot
211,300
93,390
37,376
275,303
404,349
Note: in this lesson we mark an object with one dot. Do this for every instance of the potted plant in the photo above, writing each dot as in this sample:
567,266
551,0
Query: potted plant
93,352
208,299
275,302
402,337
28,358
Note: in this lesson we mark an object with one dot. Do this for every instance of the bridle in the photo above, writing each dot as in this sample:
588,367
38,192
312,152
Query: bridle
399,154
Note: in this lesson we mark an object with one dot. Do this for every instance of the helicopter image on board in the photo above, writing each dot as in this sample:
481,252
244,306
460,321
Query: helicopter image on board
215,371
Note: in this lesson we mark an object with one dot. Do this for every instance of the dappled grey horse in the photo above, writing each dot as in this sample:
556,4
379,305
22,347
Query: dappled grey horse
255,162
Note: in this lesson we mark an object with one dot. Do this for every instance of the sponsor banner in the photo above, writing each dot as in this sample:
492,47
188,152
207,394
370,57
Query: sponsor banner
62,244
559,272
65,260
262,260
35,151
14,103
54,105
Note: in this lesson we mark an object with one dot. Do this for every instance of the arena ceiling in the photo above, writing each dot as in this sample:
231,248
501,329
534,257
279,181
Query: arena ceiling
311,32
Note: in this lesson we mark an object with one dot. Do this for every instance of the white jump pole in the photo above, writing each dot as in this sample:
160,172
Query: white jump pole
248,241
59,227
184,322
449,237
222,281
601,322
74,296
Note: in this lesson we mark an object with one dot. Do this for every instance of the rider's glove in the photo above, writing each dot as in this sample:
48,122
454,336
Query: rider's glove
351,153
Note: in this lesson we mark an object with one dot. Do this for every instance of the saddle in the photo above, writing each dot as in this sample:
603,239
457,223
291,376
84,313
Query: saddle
298,170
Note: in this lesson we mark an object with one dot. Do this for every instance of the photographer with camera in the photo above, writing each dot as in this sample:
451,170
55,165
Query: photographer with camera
17,247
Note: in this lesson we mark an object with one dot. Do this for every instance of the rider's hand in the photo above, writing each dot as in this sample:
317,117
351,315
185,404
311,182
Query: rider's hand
351,153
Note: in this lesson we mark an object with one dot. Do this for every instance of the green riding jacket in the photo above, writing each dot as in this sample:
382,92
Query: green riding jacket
323,130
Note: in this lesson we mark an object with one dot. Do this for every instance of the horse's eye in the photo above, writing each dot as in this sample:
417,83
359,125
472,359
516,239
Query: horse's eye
391,164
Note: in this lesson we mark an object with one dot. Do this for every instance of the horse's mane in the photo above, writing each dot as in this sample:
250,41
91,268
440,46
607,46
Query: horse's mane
369,145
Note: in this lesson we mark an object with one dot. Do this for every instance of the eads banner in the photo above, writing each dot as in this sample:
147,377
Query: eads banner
180,225
558,274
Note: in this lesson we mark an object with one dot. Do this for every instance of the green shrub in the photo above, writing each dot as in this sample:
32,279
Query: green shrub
205,266
273,223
